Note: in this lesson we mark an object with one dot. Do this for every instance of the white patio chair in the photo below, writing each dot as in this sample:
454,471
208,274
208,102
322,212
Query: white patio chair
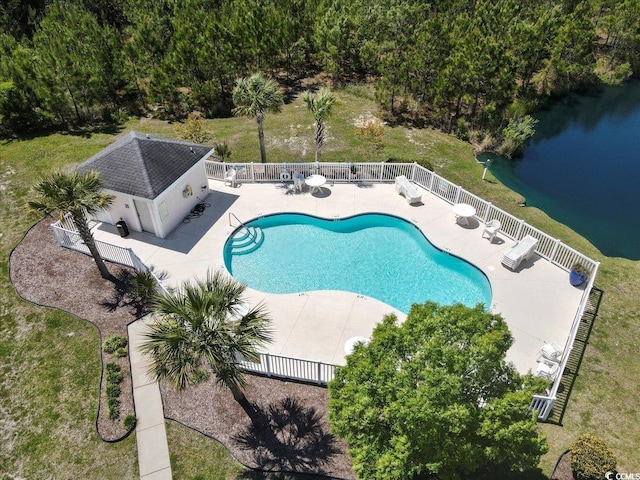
550,351
298,181
230,177
547,369
522,250
492,228
406,188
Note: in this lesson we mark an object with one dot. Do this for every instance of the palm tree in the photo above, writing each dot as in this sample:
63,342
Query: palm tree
254,96
320,107
201,324
74,194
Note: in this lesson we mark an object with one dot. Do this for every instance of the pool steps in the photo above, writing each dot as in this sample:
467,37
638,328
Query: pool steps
245,240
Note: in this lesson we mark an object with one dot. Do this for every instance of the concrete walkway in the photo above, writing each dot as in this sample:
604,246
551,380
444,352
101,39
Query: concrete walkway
151,435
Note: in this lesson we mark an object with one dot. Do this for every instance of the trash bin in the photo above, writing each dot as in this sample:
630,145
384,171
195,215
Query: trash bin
123,230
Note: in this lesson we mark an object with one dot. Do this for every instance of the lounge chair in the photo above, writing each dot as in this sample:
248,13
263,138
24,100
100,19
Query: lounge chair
230,177
298,181
406,188
522,250
492,228
550,351
547,369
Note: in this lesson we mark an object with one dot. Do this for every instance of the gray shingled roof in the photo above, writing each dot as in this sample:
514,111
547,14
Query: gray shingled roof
142,165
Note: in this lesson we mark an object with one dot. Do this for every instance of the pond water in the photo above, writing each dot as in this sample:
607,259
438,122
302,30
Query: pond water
583,168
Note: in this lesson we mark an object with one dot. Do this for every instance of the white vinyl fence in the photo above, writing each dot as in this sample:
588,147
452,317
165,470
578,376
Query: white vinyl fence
67,236
549,248
294,368
544,403
271,365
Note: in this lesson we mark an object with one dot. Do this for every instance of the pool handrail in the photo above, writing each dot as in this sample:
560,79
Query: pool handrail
242,224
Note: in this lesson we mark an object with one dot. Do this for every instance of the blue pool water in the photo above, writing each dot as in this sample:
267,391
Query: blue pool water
377,255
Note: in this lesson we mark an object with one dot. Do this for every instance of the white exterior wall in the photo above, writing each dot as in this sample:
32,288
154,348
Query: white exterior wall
121,208
103,216
173,205
167,210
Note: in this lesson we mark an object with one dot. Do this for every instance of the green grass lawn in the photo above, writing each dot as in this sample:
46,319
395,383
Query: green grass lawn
50,360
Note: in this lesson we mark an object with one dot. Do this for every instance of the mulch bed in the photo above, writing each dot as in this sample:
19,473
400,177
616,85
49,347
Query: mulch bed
289,430
47,274
562,471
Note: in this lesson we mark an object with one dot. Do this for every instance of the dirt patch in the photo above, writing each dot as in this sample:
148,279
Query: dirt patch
288,430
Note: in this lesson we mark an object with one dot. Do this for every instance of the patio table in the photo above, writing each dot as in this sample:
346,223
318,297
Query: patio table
351,343
315,182
463,212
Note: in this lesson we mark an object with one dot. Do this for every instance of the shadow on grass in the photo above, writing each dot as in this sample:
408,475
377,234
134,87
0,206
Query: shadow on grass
287,436
254,475
533,474
572,368
85,131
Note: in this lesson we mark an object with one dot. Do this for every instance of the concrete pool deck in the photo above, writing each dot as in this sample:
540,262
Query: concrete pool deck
537,301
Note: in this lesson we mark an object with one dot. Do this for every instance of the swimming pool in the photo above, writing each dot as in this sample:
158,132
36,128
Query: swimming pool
378,255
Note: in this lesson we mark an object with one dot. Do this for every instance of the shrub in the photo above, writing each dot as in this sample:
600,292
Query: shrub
143,287
591,459
462,129
121,352
521,107
114,408
516,134
113,343
193,129
114,377
423,162
371,131
113,390
483,142
223,151
200,375
129,421
113,368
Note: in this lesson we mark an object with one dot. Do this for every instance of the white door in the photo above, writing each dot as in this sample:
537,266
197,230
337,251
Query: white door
144,214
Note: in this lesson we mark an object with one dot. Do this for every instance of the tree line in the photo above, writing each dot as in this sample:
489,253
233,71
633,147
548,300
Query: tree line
463,66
